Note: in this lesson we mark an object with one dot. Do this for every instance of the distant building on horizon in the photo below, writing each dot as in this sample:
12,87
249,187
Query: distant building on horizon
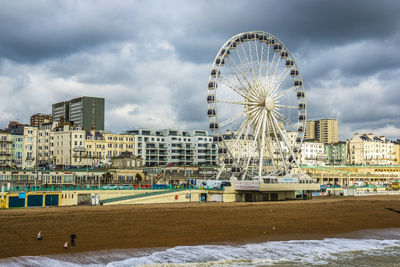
38,119
323,130
85,112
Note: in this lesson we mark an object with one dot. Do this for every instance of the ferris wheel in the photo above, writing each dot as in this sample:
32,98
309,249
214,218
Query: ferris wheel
256,107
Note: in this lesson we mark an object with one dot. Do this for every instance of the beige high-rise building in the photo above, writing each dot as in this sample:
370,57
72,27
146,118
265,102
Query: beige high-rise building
310,130
323,130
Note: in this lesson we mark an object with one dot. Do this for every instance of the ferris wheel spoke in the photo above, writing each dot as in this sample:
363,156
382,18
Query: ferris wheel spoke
251,151
269,146
285,120
233,87
250,68
279,144
249,62
286,106
243,66
234,68
232,119
268,73
242,74
233,102
273,81
285,92
221,169
239,137
259,63
284,138
282,76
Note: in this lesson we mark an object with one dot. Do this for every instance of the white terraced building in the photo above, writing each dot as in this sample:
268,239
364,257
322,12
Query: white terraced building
368,149
163,147
313,153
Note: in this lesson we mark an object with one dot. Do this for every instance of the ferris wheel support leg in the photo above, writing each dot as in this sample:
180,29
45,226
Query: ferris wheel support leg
287,145
260,163
279,144
220,171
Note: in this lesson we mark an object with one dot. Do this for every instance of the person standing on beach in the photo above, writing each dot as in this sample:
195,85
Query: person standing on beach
73,236
66,245
39,236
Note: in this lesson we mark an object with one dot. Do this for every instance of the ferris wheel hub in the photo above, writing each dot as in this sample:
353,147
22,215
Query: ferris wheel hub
269,103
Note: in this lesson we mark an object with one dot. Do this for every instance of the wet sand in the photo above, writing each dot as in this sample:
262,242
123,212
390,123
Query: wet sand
169,225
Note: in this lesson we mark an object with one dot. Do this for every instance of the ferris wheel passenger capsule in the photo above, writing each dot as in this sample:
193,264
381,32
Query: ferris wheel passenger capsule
215,73
210,99
217,138
211,112
262,38
239,40
298,83
270,41
225,53
213,126
222,150
212,84
231,45
284,54
300,129
220,62
277,48
289,63
300,94
302,118
302,106
294,73
228,161
235,169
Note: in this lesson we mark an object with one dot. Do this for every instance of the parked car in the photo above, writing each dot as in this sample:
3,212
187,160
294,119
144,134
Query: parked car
125,186
110,186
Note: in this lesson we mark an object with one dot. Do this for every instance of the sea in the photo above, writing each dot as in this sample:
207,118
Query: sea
364,248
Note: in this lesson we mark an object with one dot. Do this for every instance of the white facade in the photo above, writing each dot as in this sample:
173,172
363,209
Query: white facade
29,157
313,153
163,147
368,149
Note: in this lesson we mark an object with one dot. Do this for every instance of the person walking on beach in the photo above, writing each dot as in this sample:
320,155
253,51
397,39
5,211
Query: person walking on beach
66,245
39,236
73,236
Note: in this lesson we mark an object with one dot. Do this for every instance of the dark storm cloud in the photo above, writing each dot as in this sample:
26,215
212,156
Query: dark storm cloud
151,59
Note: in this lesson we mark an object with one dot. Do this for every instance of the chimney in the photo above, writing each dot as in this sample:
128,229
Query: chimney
62,122
371,136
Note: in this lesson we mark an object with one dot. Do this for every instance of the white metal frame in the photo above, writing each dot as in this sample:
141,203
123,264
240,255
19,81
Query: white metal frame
253,78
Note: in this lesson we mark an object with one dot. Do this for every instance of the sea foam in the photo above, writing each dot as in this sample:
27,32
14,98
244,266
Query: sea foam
331,251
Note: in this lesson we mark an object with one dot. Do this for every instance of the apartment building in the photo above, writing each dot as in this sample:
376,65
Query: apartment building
17,150
38,119
175,147
5,150
84,112
313,153
205,150
368,149
29,156
336,153
323,130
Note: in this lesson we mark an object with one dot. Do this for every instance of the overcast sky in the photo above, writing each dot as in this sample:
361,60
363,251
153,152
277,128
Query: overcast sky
150,60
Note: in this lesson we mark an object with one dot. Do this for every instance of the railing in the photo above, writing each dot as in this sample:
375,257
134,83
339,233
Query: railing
140,195
58,188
